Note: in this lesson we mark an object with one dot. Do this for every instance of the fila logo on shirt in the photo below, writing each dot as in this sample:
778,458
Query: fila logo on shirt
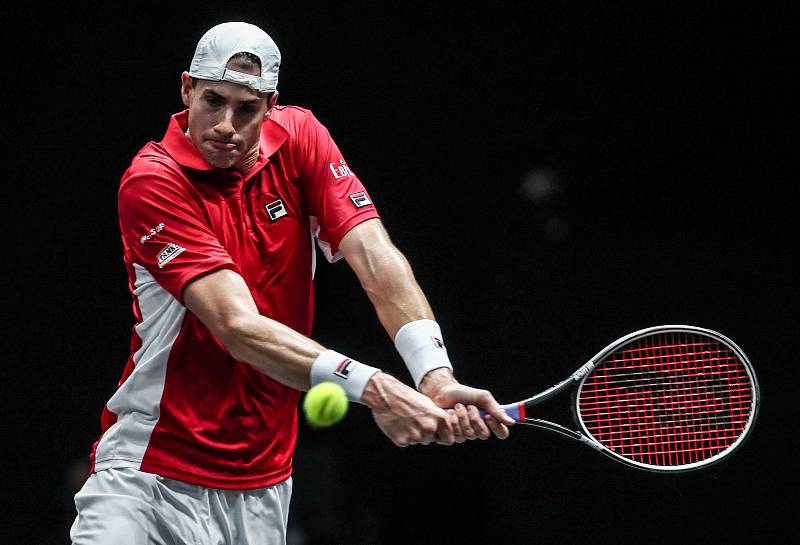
341,170
344,369
360,199
170,252
276,210
438,342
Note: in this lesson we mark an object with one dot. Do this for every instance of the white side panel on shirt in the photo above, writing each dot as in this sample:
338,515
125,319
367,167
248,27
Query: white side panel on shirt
323,245
313,255
137,402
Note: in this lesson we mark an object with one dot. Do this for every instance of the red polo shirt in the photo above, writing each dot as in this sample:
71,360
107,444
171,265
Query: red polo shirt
184,408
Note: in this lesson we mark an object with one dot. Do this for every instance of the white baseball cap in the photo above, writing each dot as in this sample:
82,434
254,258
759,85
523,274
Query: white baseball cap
222,42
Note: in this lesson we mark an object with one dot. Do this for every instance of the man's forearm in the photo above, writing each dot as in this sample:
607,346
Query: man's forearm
385,276
274,349
222,301
298,361
399,302
397,297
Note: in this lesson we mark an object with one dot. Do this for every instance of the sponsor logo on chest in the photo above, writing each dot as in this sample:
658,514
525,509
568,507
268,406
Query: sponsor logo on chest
276,210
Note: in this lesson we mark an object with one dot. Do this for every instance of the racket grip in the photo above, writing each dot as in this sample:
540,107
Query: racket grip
512,410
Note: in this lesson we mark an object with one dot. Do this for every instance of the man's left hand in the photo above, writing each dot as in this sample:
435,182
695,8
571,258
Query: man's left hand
465,402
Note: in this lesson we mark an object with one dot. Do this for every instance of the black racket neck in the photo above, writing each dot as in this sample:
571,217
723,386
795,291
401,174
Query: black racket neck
561,386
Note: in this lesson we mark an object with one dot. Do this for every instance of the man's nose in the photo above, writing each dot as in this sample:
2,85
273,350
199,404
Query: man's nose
225,124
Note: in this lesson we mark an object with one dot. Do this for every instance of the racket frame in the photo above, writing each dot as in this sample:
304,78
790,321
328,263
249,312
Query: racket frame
519,410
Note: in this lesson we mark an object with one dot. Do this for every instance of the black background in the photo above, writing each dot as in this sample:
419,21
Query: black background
665,133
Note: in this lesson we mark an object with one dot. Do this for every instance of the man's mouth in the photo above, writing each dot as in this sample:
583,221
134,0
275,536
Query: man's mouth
219,144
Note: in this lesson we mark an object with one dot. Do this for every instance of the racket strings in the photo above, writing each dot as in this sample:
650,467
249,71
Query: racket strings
612,412
668,399
690,424
697,386
703,351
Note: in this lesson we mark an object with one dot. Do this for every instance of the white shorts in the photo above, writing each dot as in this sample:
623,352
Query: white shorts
128,507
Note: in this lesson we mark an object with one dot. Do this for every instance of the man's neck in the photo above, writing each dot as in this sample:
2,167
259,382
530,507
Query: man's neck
248,162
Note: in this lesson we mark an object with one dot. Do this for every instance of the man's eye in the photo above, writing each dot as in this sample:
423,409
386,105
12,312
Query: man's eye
247,109
213,101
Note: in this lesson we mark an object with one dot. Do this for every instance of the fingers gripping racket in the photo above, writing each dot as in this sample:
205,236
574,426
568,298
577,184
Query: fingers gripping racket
665,398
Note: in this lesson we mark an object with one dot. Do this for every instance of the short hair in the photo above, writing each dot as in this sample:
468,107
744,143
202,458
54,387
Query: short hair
246,60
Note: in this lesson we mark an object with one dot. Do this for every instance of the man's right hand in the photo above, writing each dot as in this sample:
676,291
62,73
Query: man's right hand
406,416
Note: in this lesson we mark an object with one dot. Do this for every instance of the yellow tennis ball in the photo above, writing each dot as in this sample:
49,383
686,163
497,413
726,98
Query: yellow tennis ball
325,404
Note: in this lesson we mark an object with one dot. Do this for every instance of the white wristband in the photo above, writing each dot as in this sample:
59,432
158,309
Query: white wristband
348,373
421,347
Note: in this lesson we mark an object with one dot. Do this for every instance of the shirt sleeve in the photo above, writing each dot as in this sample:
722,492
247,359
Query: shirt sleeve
335,195
165,231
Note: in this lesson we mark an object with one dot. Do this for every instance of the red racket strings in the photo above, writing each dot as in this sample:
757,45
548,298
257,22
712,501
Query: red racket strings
668,399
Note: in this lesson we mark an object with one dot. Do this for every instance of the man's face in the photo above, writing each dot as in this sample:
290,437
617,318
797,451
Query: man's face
225,119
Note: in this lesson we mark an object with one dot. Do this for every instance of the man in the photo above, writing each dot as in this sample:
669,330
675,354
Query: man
217,221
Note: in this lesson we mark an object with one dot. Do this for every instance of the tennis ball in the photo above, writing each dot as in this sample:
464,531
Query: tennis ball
325,404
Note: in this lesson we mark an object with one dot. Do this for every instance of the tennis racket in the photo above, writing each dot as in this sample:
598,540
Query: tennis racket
667,398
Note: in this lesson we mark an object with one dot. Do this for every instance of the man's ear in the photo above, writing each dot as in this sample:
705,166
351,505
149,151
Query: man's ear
186,89
273,100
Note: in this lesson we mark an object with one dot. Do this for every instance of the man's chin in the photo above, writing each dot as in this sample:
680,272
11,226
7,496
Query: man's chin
221,162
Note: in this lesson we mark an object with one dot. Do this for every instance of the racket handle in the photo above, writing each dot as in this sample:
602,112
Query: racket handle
512,410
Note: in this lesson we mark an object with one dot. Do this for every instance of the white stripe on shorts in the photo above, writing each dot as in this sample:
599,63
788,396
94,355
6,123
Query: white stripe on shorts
129,507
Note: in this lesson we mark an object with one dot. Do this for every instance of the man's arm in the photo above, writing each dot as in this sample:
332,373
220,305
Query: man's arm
389,282
222,301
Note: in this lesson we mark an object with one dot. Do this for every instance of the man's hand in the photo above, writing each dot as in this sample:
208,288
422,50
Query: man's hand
406,416
464,403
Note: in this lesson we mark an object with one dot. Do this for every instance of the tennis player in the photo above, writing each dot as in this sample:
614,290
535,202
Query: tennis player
218,221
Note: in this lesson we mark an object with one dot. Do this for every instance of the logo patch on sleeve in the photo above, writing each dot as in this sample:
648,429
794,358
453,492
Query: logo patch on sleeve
170,252
437,342
360,199
276,210
153,232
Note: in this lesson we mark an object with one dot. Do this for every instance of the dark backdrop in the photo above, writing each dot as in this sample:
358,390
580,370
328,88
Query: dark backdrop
558,174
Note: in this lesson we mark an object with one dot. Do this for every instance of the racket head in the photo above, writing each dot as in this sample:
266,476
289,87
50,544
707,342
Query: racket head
668,398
